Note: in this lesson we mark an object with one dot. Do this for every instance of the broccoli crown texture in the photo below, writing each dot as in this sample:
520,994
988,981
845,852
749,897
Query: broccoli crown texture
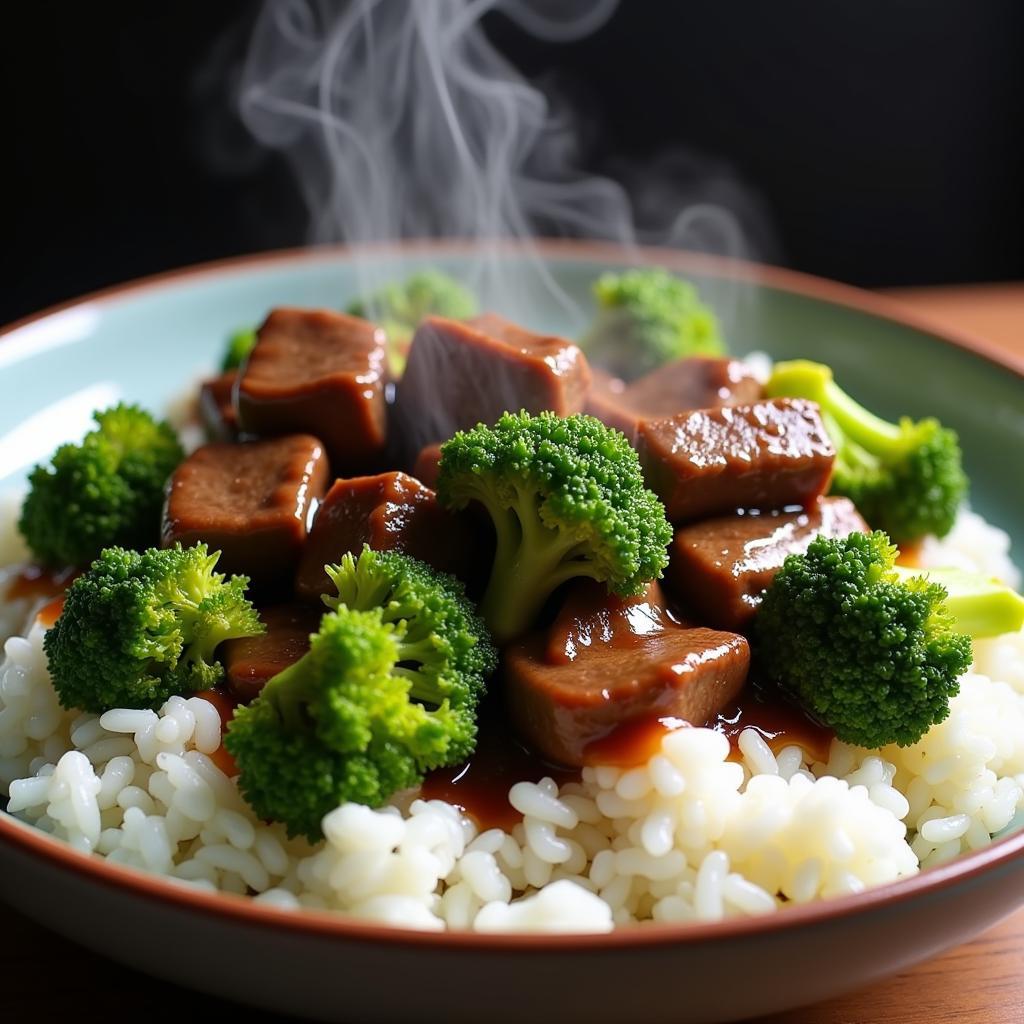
567,499
906,478
645,318
238,347
872,656
445,650
349,721
140,627
399,307
106,491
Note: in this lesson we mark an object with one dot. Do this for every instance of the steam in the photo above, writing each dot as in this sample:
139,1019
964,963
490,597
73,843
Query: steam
402,121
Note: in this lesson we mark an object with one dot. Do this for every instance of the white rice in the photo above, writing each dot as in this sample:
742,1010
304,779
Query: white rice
688,836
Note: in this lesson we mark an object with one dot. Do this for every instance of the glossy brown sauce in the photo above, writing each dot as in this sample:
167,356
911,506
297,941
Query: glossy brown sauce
51,611
480,785
225,705
780,723
38,583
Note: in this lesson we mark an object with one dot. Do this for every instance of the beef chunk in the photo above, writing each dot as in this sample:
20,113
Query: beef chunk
389,511
323,373
463,373
428,462
762,456
251,660
697,382
720,568
217,407
607,661
249,501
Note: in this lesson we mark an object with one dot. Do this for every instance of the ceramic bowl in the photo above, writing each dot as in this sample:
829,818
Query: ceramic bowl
147,341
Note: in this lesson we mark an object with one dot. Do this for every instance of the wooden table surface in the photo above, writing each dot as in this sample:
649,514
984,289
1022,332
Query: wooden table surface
979,983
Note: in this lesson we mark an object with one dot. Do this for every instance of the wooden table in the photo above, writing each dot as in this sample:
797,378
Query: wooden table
979,983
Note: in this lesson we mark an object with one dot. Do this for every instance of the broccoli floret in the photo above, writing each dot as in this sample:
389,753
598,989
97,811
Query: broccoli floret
873,656
645,318
106,491
237,350
567,499
400,306
140,627
905,478
387,691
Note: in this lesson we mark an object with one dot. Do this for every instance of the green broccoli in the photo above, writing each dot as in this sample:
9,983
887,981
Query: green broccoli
388,690
905,479
239,345
645,318
106,491
567,499
873,656
140,627
399,307
981,606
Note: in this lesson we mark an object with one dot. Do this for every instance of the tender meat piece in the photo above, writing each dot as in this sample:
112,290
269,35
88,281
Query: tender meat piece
389,511
607,661
323,373
763,456
697,382
428,462
250,661
249,501
217,408
463,373
720,568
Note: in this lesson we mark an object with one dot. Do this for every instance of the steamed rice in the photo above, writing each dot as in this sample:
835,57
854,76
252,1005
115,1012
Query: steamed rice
690,835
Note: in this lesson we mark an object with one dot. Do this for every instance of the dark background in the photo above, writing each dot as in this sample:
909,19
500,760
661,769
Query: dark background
883,137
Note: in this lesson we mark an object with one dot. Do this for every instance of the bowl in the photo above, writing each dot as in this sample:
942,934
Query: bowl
149,340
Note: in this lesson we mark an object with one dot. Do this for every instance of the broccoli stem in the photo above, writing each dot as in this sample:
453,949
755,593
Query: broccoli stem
803,379
530,561
981,605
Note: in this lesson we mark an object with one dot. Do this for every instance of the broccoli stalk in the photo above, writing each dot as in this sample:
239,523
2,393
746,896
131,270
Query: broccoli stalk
399,308
872,655
981,606
237,350
645,318
387,691
138,628
106,491
567,499
905,478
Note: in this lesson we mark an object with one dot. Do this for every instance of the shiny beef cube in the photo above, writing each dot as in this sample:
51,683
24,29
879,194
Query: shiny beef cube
697,382
217,407
764,456
323,373
720,568
249,501
608,661
250,661
463,373
391,511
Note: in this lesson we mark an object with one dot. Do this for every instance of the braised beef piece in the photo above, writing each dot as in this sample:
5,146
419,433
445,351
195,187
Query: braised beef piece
697,382
462,373
427,464
391,511
319,372
720,568
217,408
249,501
252,660
608,660
762,456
